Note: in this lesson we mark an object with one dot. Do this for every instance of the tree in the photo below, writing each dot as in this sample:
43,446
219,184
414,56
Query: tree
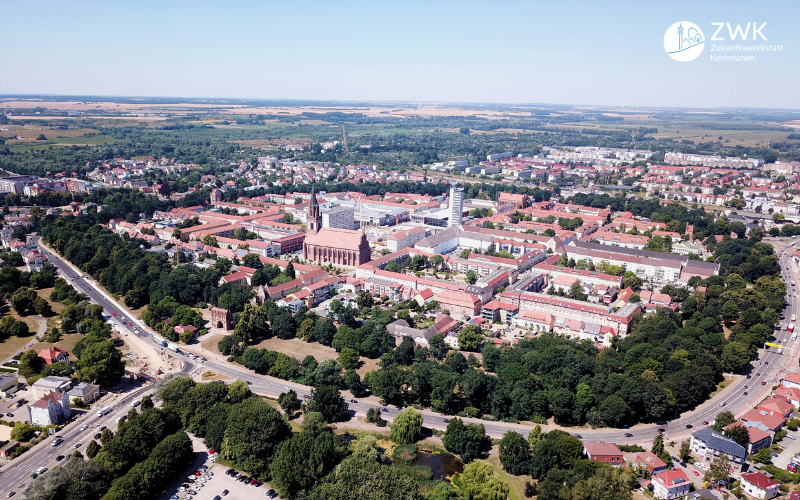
289,271
471,277
723,420
305,459
106,436
740,434
515,453
364,299
719,469
470,338
254,433
362,476
101,363
147,402
289,402
735,356
328,401
406,427
479,482
685,452
324,330
348,358
468,441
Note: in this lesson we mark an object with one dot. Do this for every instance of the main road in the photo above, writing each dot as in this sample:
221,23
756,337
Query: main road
764,372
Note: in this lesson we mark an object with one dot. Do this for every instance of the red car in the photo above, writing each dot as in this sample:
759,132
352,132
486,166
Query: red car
130,323
764,383
705,422
695,473
113,313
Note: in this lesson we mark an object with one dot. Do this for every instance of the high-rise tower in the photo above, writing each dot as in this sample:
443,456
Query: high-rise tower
456,206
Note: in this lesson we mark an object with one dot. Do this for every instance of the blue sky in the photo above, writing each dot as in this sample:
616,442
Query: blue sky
568,52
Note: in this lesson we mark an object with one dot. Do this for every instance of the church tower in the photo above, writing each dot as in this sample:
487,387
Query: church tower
314,218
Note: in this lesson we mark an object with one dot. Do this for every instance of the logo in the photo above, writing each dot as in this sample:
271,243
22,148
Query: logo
684,41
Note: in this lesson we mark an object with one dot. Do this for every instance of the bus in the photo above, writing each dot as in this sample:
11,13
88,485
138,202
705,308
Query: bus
791,328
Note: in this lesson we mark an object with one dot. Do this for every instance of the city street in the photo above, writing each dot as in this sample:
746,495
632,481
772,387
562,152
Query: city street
769,368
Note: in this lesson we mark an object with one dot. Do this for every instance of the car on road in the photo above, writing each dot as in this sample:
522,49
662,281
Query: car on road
662,430
696,473
224,492
249,383
84,427
10,494
353,401
689,426
705,422
764,383
745,393
628,435
136,403
59,458
113,313
11,414
384,409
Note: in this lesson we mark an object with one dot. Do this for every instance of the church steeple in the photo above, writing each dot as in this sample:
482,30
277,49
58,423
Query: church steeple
314,218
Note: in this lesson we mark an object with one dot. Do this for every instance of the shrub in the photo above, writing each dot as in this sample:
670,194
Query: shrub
404,454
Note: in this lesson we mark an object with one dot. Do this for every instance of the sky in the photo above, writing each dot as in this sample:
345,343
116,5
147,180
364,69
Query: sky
567,52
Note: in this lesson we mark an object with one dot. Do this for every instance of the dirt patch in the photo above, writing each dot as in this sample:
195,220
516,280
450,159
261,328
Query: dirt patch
210,342
56,306
299,349
209,375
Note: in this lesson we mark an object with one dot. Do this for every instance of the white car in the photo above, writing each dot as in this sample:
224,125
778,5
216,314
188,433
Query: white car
84,427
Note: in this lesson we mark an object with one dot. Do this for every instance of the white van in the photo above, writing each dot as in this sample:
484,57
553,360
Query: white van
104,411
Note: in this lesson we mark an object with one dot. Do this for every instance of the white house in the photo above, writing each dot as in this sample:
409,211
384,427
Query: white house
52,409
671,484
758,485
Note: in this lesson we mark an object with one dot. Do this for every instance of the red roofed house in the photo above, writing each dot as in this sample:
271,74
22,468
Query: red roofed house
424,297
758,438
607,453
792,380
459,303
444,324
777,406
758,485
181,329
54,355
671,484
648,460
772,422
790,394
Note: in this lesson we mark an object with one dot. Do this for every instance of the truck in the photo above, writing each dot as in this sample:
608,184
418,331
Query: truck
172,347
159,341
103,411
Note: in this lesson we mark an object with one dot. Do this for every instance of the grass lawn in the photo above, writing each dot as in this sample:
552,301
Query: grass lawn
11,345
56,306
516,483
299,349
33,325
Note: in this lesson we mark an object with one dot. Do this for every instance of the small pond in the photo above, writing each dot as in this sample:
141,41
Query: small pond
442,464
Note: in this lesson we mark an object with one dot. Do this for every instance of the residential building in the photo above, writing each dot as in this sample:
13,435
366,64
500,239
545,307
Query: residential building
708,444
646,460
607,453
54,355
86,391
47,385
52,409
757,485
671,484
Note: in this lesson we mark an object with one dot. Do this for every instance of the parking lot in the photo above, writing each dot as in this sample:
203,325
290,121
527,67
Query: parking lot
212,482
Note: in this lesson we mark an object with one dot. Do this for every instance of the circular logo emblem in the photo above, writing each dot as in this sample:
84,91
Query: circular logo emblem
684,41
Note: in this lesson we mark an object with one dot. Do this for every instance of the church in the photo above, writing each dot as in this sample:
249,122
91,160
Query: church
330,245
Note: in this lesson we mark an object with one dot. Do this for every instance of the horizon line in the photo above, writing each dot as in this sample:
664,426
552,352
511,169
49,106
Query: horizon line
381,102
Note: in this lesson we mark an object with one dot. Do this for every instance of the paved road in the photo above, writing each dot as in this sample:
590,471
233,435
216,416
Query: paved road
17,474
768,368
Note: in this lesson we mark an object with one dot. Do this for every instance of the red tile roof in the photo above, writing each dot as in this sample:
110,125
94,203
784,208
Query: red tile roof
758,479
